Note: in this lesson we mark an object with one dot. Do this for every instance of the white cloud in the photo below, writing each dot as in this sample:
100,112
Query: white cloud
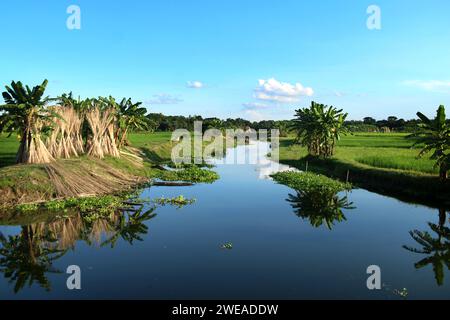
255,105
429,85
276,91
164,98
195,84
253,115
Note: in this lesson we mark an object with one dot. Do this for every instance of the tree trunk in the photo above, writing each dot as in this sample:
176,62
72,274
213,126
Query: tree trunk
124,136
22,148
443,172
32,149
442,217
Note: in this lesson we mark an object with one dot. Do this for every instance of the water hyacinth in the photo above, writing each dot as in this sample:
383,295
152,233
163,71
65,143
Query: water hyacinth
310,182
179,201
227,246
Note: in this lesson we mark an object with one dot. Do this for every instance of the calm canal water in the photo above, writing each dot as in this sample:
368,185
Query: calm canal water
279,251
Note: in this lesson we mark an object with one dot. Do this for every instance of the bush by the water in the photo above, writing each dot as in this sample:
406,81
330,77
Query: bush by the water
101,204
190,174
310,182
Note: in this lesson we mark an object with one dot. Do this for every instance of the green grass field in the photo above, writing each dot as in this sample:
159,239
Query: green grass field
385,163
388,151
8,150
141,140
376,140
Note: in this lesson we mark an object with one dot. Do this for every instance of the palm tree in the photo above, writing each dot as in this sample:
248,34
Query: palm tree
319,127
25,112
131,116
435,136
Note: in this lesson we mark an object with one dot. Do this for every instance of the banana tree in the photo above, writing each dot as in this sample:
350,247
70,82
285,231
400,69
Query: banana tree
319,127
434,136
25,113
131,116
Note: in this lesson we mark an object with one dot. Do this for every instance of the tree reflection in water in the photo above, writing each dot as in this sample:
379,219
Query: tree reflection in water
435,246
130,229
24,258
320,207
27,258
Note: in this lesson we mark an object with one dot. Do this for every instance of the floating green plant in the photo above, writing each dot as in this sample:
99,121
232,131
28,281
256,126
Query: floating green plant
191,174
310,182
101,205
25,208
179,201
227,246
401,292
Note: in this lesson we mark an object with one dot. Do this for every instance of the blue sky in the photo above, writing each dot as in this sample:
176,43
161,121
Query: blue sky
236,58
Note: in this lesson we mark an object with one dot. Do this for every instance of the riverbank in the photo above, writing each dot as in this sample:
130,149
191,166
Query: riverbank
89,177
382,163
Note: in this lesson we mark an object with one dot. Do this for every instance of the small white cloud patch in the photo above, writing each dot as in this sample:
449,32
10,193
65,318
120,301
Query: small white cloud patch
164,98
429,85
253,115
195,84
283,92
255,105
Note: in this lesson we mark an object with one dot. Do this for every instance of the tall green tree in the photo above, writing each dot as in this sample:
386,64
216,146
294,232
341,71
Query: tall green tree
131,117
319,127
434,135
25,113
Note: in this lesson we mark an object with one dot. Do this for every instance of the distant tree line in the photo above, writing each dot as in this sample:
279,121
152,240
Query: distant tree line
391,124
160,122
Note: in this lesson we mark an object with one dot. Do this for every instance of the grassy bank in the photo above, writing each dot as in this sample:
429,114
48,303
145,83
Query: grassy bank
309,182
8,150
384,163
87,177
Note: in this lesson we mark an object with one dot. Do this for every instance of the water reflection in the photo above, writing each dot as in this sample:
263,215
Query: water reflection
27,258
266,168
256,153
131,228
320,208
435,246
